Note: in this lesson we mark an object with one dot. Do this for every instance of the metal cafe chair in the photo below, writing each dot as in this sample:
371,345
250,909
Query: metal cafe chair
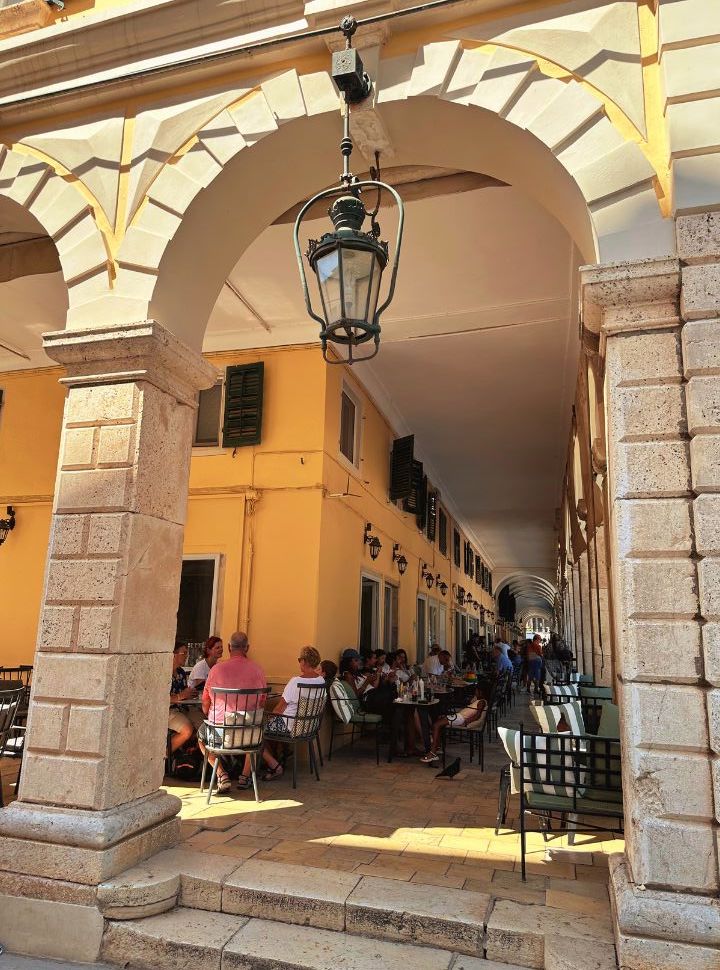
240,731
304,726
11,737
11,677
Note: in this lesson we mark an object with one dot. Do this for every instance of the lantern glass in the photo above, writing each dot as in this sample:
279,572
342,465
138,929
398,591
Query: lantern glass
328,274
349,268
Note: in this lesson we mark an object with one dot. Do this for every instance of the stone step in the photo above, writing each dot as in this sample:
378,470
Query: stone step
469,924
189,939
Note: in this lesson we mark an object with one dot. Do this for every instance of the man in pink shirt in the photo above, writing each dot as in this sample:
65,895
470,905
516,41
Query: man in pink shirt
237,673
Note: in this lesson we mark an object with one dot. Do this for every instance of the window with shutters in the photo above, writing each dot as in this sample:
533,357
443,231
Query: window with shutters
207,420
401,467
442,532
350,426
242,421
456,547
414,502
478,570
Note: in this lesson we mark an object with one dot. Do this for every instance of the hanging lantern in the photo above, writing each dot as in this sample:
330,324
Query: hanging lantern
348,263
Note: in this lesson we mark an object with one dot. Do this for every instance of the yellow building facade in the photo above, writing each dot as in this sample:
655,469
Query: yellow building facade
283,522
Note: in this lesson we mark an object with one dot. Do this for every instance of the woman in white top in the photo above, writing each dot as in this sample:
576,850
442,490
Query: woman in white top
212,652
287,706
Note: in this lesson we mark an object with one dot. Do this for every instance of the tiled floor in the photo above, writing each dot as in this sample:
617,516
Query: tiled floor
400,822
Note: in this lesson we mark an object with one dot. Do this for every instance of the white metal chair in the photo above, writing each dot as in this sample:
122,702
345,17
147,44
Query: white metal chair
234,726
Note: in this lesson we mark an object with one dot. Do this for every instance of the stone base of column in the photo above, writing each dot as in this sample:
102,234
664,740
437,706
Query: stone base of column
53,859
86,847
657,930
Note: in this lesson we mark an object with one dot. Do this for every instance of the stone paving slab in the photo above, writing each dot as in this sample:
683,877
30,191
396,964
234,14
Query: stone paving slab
289,893
385,908
262,945
562,953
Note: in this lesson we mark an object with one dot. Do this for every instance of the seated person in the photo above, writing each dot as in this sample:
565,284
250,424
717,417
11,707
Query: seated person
212,652
287,707
238,672
183,721
431,663
462,718
329,670
402,668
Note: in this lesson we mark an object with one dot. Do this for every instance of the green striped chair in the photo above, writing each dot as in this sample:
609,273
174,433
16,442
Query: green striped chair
348,712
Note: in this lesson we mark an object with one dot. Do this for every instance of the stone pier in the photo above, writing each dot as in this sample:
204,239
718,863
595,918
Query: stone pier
90,804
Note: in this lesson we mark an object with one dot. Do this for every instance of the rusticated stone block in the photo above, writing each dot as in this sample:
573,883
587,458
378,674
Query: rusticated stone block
653,527
709,577
652,469
647,413
713,707
85,729
671,785
41,926
97,628
57,624
711,652
644,358
103,404
49,725
659,587
700,294
706,512
705,462
73,677
655,723
698,236
703,405
106,533
164,443
94,489
116,445
662,650
67,535
701,347
82,580
77,448
675,853
60,780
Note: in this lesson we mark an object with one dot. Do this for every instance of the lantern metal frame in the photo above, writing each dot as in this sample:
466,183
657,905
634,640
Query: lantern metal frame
7,525
427,576
372,541
348,212
402,563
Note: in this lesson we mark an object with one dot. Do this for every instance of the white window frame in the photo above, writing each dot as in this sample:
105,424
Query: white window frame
357,438
218,448
378,626
426,644
389,584
217,558
442,625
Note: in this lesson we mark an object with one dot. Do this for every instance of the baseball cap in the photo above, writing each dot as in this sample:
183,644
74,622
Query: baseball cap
350,654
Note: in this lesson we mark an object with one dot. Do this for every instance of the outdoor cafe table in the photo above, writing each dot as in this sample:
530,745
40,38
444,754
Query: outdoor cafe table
424,706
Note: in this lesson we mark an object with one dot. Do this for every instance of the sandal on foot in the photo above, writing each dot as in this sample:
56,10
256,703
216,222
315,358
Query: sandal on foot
223,784
244,782
273,773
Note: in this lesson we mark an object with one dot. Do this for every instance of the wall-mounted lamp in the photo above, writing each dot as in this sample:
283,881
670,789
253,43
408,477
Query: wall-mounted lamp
460,596
443,587
7,525
482,614
372,541
468,599
401,561
427,576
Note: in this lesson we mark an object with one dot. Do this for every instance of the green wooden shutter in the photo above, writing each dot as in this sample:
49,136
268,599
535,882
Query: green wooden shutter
401,468
242,420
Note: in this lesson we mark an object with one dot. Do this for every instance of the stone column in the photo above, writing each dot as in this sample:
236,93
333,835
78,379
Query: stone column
602,644
664,888
89,803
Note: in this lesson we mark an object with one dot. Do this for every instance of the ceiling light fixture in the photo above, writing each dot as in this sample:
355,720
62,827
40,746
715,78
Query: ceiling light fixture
347,262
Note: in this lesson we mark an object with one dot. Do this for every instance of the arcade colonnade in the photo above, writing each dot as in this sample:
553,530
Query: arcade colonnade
625,169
